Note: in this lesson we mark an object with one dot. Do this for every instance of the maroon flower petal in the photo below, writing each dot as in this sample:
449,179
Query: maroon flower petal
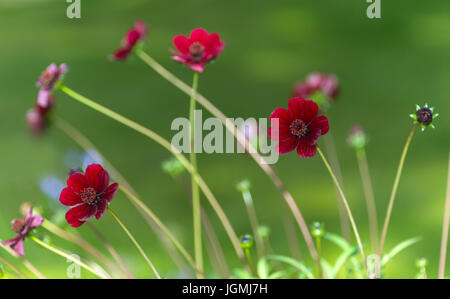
121,54
97,177
77,182
302,109
283,115
295,108
110,192
313,136
101,208
306,150
287,146
181,43
68,198
279,134
74,214
320,122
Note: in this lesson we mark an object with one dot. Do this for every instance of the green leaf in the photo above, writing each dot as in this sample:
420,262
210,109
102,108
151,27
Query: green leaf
399,248
342,260
326,268
294,263
263,268
278,275
338,240
242,274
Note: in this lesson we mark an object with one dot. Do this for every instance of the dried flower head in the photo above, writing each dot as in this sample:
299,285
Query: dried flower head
198,49
22,227
88,193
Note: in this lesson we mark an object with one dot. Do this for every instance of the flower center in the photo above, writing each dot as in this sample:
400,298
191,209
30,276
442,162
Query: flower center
47,78
424,116
17,225
196,50
298,128
88,195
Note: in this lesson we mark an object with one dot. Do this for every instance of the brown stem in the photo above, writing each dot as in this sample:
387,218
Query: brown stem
445,224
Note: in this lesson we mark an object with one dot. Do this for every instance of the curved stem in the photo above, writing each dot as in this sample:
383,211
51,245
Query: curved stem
111,250
141,251
241,139
78,241
394,190
445,224
68,257
166,144
24,261
346,205
250,261
319,259
195,190
369,195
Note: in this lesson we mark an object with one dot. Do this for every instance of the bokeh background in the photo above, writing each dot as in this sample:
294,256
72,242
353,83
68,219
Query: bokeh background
385,67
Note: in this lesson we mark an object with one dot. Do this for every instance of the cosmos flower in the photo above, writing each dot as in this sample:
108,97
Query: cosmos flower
316,83
197,49
132,37
23,228
52,74
424,116
298,127
88,194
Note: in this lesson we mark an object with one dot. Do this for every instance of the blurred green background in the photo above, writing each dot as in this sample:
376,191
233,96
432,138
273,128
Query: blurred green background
385,67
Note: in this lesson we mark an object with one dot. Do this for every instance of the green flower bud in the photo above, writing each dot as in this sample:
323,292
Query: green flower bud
317,230
246,241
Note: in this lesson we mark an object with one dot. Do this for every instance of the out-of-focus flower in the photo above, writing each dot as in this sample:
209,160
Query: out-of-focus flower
45,100
298,127
424,116
37,121
23,228
197,49
357,137
322,88
173,167
89,193
317,230
132,37
52,74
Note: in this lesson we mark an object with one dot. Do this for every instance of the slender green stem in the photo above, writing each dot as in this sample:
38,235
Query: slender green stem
24,261
334,162
394,190
248,200
195,189
346,205
369,195
69,257
139,248
14,268
242,140
159,223
80,242
445,224
111,250
166,144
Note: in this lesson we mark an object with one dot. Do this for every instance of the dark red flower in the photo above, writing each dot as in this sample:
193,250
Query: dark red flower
298,127
316,82
89,193
197,49
133,36
23,228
